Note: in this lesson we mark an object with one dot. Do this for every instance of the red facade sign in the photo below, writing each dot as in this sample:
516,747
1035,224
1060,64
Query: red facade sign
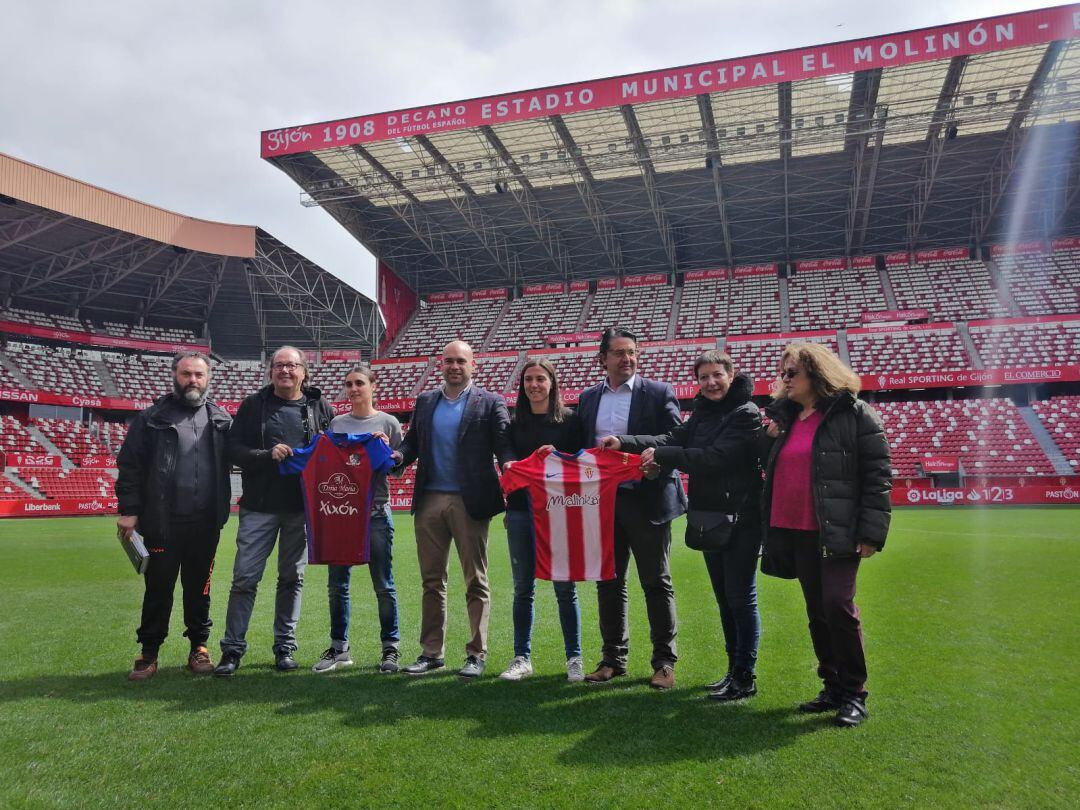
887,315
914,47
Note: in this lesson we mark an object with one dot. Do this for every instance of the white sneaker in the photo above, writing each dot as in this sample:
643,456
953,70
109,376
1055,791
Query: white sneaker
575,669
331,660
519,668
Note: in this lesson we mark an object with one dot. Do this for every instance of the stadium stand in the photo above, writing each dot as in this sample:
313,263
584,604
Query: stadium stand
74,483
112,435
72,438
949,290
235,379
701,309
833,299
56,369
439,323
1043,285
879,352
14,438
140,376
576,370
43,319
673,364
754,306
644,310
760,357
165,335
1037,344
1061,417
492,373
398,379
988,435
529,319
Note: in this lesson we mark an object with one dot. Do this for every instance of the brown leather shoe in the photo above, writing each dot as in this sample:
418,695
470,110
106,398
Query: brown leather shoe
663,678
604,673
199,661
143,670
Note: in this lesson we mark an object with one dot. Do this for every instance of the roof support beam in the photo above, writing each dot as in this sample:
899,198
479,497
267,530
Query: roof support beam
863,123
1001,170
936,136
139,256
72,259
215,288
413,217
316,301
165,280
12,233
480,223
713,158
652,190
783,99
547,235
586,188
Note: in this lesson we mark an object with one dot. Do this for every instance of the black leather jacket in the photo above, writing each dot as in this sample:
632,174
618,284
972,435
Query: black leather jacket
146,467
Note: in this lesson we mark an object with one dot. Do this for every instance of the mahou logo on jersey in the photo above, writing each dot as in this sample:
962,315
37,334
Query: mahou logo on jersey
338,486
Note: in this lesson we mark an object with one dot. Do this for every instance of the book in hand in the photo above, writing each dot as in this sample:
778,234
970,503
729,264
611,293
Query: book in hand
136,551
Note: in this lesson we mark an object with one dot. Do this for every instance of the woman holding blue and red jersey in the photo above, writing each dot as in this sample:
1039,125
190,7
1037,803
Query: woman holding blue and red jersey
826,507
364,418
540,419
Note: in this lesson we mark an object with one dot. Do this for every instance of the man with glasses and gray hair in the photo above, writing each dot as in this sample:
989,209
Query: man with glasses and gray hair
173,487
285,414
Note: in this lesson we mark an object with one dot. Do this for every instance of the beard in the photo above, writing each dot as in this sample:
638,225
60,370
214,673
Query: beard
193,396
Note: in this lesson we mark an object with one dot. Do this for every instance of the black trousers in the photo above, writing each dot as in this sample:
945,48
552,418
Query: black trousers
650,544
188,552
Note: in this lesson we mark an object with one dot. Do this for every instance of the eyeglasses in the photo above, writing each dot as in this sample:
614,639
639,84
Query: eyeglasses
789,374
286,366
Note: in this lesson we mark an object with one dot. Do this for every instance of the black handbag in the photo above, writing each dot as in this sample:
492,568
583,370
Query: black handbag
707,530
777,560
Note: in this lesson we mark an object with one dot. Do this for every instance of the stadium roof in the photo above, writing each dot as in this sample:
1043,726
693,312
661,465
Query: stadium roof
963,134
67,247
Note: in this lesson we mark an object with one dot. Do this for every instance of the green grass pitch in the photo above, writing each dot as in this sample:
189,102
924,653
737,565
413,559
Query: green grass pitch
971,625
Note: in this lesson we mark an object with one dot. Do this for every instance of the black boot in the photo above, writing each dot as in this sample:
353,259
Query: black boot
716,686
741,686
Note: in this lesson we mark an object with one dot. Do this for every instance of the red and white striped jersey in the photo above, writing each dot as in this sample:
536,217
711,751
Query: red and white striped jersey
573,507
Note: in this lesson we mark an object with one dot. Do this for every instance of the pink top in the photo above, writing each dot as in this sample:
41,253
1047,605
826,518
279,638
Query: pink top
792,491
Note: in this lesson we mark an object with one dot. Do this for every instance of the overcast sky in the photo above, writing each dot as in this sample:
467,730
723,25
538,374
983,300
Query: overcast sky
164,102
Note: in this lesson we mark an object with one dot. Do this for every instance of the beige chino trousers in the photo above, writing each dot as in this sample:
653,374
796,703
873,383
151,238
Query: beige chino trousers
440,519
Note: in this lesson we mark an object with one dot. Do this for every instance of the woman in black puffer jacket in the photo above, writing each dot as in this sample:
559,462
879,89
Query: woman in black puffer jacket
826,507
717,448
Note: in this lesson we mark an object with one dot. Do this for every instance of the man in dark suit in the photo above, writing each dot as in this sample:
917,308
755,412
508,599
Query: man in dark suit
626,403
457,433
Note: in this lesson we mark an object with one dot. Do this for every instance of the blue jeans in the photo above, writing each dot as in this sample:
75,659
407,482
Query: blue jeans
380,566
255,539
519,534
733,571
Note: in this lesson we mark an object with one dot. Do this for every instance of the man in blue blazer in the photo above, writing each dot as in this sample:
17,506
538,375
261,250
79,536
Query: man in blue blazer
626,403
457,433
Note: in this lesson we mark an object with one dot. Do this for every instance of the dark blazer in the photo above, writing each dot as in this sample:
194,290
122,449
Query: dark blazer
484,435
654,411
